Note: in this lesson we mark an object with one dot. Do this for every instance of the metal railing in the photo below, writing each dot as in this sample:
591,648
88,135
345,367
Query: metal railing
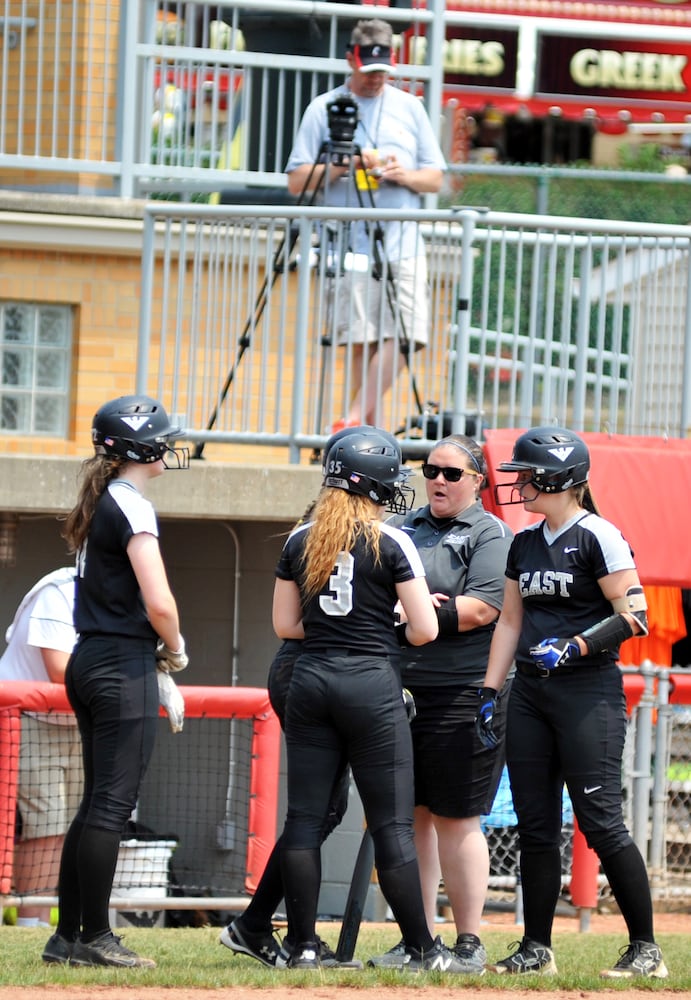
534,319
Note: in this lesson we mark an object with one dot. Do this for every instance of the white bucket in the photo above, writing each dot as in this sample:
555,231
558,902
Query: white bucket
142,874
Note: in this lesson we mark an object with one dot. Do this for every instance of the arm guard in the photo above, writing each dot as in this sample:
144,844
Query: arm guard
607,634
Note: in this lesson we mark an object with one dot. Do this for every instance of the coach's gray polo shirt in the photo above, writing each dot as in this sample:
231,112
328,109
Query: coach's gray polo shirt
461,555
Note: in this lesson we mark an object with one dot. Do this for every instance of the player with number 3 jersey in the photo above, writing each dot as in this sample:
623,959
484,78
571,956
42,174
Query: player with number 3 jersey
338,580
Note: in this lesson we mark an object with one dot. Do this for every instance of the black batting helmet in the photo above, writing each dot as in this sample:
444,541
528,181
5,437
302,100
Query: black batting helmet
557,459
138,429
367,461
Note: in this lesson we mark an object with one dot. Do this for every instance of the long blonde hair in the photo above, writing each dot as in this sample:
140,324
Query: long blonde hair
338,519
96,472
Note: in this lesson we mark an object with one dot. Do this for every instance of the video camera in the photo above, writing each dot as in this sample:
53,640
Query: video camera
343,117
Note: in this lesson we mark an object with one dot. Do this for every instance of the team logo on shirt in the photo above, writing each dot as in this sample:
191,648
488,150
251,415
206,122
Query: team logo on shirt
549,583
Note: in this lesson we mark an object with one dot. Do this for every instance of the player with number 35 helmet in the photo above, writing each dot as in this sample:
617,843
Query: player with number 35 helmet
367,461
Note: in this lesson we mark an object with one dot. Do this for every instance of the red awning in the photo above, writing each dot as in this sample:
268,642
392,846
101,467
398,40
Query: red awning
641,484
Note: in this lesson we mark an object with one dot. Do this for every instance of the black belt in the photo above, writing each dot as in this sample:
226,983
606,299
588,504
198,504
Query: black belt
532,669
342,651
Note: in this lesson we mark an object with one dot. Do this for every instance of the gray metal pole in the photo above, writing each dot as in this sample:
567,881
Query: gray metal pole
642,781
658,853
464,290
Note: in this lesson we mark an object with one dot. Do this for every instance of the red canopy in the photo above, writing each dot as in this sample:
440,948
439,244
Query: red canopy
641,484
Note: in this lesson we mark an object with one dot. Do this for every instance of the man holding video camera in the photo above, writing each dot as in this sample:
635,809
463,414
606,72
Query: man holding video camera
385,155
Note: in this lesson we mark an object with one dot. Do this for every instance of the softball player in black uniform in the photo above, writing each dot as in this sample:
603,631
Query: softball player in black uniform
126,617
572,596
338,580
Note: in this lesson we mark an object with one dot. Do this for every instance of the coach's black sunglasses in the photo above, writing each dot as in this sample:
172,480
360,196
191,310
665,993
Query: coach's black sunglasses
450,473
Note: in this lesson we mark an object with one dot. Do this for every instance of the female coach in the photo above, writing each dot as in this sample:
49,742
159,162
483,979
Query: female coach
123,608
463,549
572,597
338,579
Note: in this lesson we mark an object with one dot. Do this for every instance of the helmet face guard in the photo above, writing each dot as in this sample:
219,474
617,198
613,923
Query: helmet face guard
137,429
555,457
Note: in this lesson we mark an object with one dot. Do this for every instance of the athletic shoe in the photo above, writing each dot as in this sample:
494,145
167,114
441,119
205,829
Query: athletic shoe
394,958
438,958
530,956
305,956
640,958
58,949
108,950
261,945
468,950
327,957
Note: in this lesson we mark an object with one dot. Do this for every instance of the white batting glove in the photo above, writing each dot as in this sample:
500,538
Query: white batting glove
171,699
171,660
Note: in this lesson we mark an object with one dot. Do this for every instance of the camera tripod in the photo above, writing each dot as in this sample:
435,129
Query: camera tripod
340,150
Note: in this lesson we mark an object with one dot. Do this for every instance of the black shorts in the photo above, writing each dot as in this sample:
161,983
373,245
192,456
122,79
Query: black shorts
455,776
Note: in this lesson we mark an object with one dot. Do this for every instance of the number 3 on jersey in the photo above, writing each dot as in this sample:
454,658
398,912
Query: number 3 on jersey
340,601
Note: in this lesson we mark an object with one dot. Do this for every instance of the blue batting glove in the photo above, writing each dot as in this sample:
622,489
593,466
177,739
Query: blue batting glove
553,653
484,720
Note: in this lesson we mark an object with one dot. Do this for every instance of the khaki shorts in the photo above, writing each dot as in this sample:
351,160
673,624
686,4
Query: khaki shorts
50,777
369,309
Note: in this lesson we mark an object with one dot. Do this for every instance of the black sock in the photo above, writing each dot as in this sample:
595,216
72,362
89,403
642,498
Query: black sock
301,873
541,883
401,889
96,858
269,893
69,900
628,880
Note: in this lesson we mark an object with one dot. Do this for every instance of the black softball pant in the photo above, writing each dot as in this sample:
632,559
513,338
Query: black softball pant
568,728
112,687
346,705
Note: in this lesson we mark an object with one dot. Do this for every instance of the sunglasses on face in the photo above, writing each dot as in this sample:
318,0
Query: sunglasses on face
450,473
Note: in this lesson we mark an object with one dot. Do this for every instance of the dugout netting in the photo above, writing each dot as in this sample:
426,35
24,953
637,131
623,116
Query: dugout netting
205,820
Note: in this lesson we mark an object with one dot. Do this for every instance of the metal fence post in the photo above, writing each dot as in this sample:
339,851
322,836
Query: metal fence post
145,300
464,291
642,781
301,333
658,854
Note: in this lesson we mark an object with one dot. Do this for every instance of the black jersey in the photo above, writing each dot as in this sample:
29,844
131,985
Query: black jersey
465,554
107,595
558,577
354,610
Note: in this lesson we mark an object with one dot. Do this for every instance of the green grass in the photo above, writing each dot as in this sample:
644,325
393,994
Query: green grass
193,958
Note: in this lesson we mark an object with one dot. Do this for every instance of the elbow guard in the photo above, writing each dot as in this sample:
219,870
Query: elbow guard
634,603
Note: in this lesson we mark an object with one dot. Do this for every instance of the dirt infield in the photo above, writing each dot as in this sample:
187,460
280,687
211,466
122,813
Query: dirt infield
670,923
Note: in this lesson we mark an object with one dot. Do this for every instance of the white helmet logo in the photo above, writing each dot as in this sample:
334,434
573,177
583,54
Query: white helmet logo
561,453
134,422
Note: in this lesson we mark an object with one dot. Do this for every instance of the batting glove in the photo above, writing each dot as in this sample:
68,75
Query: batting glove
171,660
170,697
553,653
484,720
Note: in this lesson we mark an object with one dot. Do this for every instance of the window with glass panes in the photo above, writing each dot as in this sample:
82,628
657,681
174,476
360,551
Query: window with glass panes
36,347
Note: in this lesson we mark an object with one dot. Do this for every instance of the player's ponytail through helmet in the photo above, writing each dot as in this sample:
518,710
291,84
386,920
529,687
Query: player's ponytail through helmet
362,476
96,472
338,518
